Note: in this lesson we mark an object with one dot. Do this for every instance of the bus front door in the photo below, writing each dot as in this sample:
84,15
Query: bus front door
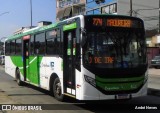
34,60
30,61
69,55
25,57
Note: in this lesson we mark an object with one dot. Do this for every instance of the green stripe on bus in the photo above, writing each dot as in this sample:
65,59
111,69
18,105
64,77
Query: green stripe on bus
69,26
18,62
33,31
119,86
32,66
119,79
62,65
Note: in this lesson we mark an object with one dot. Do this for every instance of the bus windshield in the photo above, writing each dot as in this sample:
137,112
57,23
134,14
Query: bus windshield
115,49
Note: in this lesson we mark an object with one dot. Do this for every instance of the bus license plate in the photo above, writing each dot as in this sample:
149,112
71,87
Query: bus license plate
125,96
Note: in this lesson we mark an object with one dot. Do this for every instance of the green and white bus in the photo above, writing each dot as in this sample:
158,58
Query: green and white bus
87,57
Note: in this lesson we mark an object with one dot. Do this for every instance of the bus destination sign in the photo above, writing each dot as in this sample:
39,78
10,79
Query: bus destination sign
116,22
119,22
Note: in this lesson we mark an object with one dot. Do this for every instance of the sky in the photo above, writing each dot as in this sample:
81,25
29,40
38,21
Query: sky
15,14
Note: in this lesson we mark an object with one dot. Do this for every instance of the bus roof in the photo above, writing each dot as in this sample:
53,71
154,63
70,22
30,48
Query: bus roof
32,31
40,29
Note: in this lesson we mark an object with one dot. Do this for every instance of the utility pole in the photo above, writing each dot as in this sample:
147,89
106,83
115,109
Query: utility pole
31,12
159,18
131,8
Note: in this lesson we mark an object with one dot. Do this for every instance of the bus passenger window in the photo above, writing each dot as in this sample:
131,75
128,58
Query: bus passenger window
52,42
26,53
40,43
37,46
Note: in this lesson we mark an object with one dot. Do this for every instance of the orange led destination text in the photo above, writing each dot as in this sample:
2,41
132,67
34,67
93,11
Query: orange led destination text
97,21
119,23
99,60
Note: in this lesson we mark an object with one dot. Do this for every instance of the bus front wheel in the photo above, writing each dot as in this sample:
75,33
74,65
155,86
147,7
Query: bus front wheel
57,90
18,79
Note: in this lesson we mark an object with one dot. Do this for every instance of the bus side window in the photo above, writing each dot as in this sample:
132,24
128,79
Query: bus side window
7,48
27,53
40,44
32,45
53,42
18,46
37,45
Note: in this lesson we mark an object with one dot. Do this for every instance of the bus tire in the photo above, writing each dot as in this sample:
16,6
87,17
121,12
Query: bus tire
18,78
57,90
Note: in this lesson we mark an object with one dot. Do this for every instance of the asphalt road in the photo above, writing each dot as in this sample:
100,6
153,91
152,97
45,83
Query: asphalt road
11,93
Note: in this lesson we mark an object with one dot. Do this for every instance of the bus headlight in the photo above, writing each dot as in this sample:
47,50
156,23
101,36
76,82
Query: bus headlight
90,80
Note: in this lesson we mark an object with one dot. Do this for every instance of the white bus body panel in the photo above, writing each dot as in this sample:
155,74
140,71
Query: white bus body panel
52,65
91,93
9,66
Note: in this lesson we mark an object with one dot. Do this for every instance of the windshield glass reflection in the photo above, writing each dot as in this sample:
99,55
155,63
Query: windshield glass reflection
114,49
